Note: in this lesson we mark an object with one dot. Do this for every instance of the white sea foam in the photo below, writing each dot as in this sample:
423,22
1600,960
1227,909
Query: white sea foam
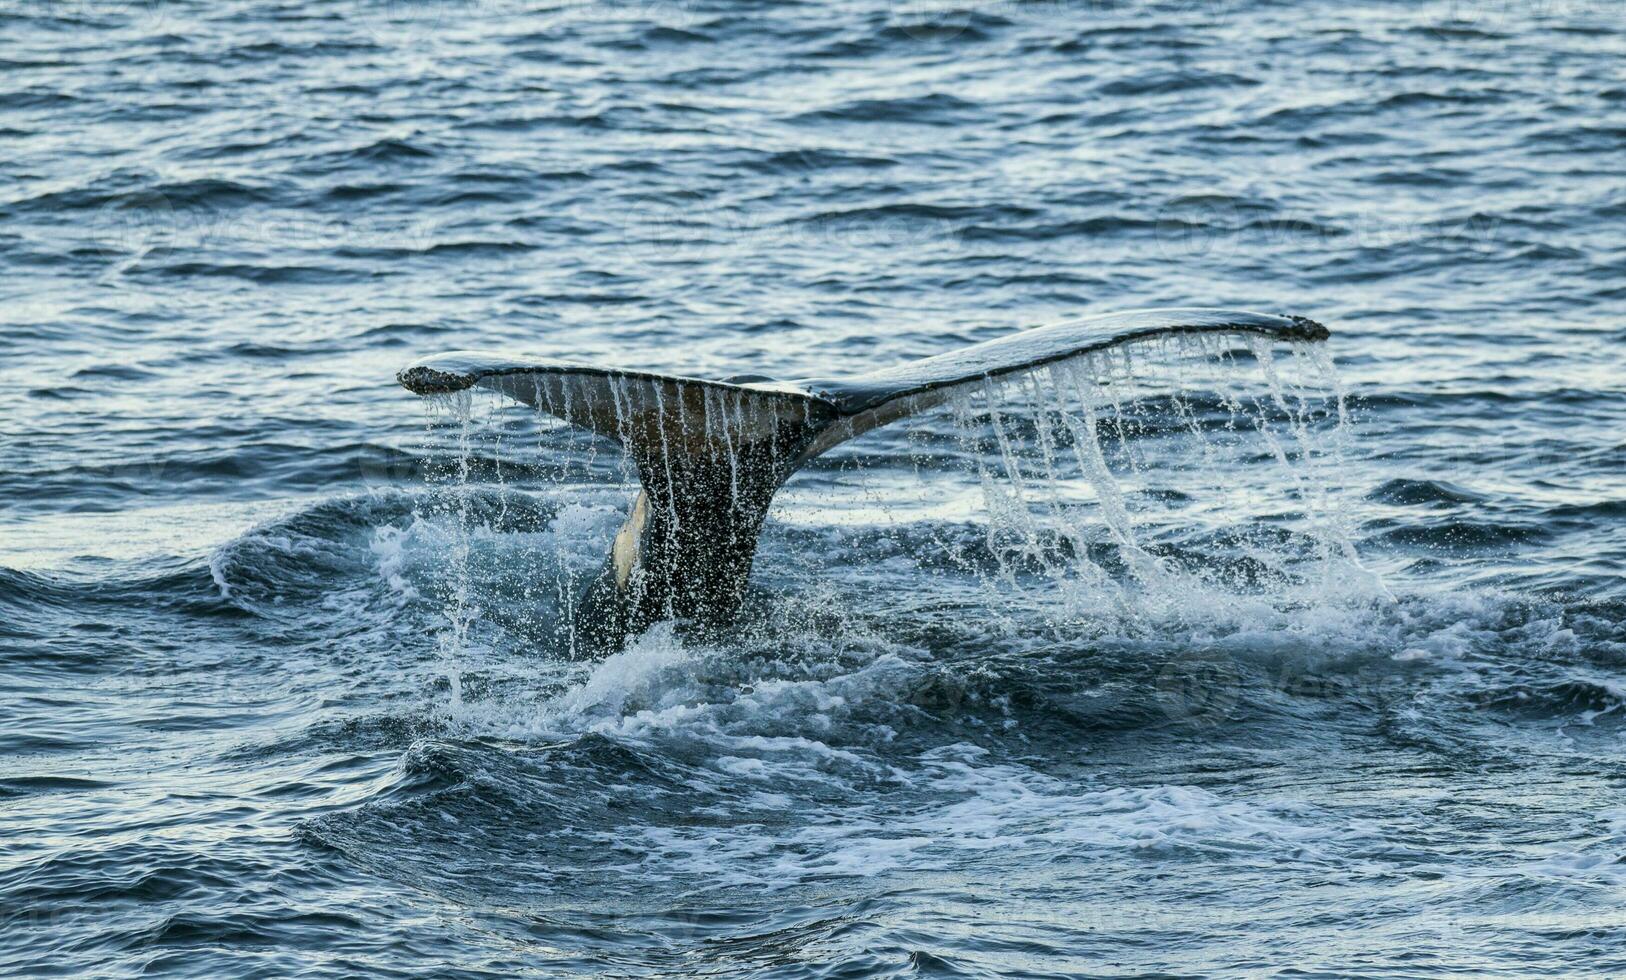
956,807
620,675
388,548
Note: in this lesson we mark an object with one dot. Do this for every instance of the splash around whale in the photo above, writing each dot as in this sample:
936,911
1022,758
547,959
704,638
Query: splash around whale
711,454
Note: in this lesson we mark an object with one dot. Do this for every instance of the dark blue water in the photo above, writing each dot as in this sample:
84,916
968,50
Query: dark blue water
242,739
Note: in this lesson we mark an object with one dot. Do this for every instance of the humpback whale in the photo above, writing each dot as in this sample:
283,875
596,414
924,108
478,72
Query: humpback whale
710,454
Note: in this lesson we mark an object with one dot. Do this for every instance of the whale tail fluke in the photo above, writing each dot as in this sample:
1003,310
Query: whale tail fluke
711,454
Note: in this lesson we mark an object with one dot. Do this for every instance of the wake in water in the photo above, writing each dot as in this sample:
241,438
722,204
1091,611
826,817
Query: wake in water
960,633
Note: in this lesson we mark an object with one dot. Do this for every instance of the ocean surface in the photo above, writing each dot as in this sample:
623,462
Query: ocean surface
1272,688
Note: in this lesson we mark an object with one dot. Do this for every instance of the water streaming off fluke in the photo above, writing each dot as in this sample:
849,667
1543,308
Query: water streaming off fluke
1091,480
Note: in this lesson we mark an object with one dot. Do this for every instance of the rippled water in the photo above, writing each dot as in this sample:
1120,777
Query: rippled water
238,742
